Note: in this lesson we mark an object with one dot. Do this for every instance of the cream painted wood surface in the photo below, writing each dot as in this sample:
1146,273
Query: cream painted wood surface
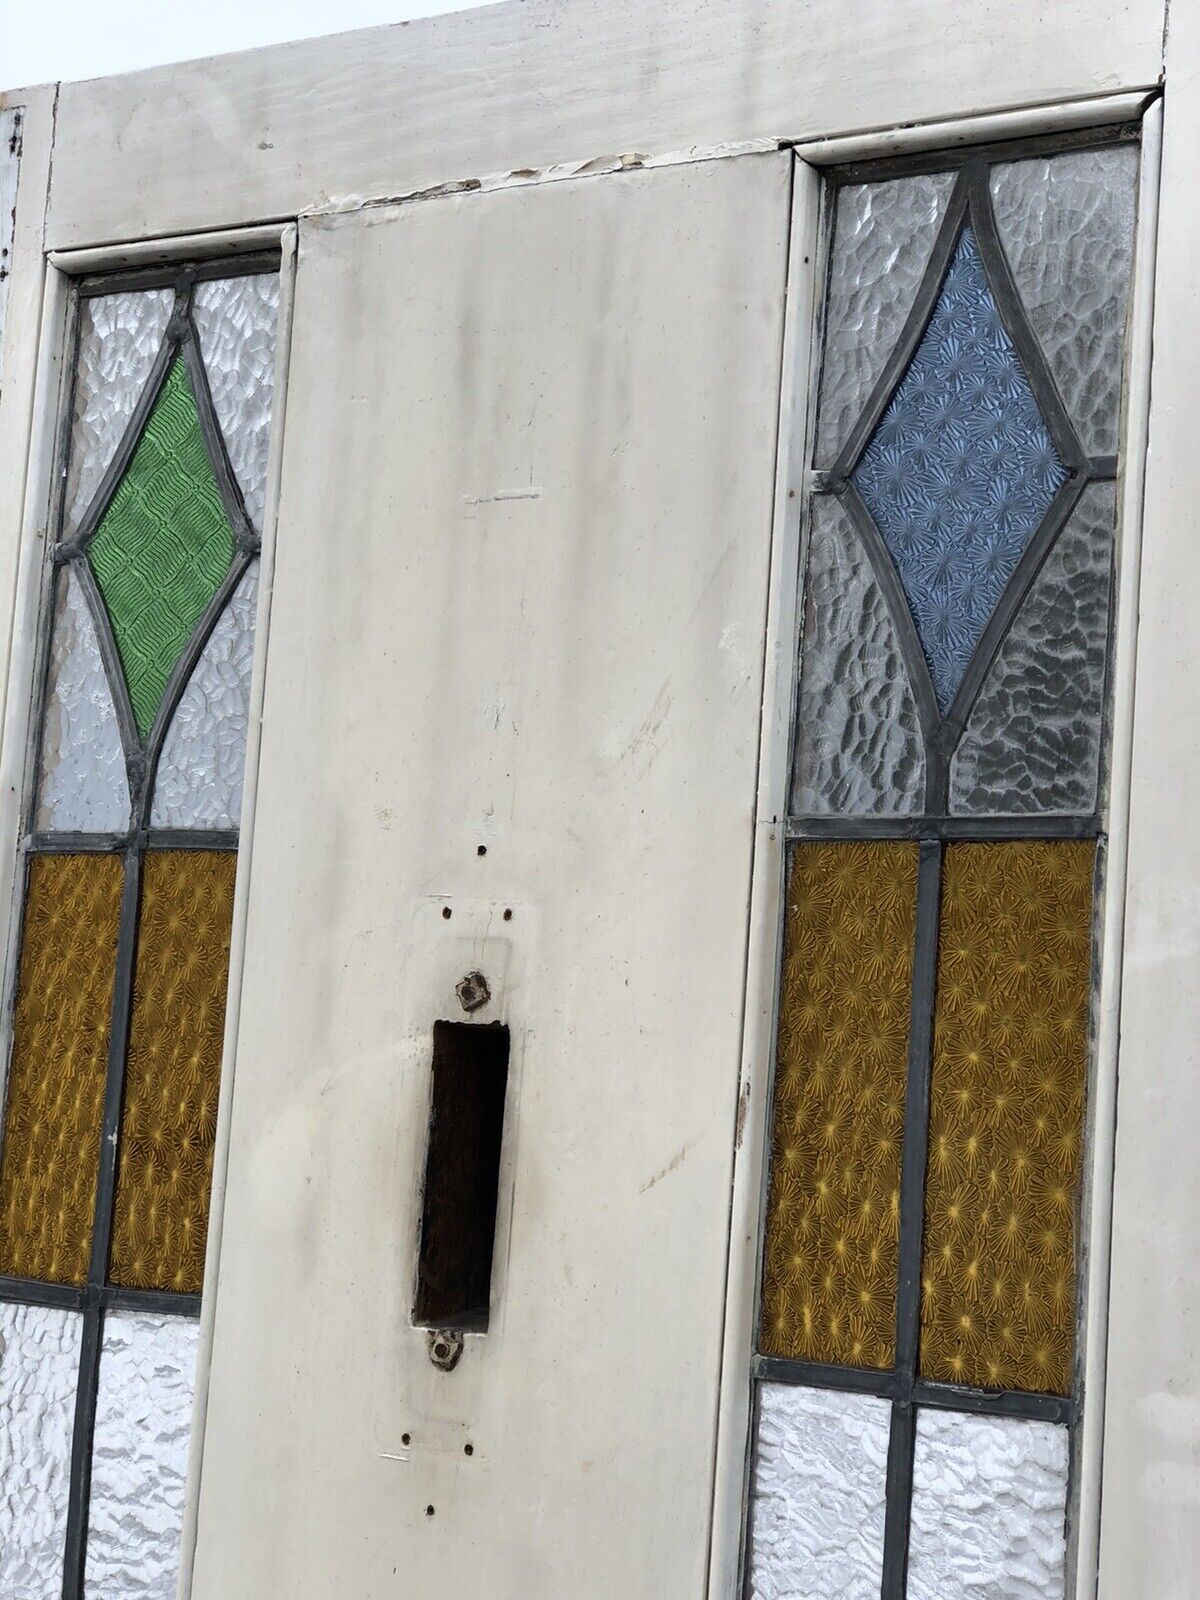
519,601
30,373
1150,1512
385,112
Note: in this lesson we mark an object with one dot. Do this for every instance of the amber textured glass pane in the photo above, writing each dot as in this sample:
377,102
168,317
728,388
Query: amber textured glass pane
173,1072
829,1270
59,1060
1006,1117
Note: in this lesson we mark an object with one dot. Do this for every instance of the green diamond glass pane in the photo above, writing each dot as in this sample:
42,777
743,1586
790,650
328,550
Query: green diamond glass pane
163,546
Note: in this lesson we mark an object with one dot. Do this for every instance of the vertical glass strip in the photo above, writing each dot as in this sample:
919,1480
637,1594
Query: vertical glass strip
39,1373
139,1456
57,1070
1032,742
816,1514
173,1073
882,239
84,786
1066,223
199,779
829,1268
235,320
859,750
119,337
988,1508
1006,1115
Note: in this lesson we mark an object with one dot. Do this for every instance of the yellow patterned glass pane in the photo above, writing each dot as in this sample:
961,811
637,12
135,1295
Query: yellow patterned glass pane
829,1269
174,1068
1006,1117
59,1061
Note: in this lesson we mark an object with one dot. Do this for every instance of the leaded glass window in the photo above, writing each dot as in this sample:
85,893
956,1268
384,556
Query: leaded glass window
915,1377
128,865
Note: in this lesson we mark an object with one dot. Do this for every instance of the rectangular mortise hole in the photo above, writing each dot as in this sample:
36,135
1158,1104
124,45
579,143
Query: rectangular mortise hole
462,1174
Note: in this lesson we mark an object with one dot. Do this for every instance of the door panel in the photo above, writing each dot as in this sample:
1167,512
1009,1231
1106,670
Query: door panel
519,608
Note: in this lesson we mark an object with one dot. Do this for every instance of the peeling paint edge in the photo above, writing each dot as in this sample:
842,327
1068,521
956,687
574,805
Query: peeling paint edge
526,177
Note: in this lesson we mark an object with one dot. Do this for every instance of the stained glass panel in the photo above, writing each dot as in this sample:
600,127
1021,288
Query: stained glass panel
56,1074
817,1511
960,470
1032,743
199,782
119,337
1066,223
858,742
139,1456
829,1271
173,1072
1006,1115
39,1373
163,546
988,1508
84,785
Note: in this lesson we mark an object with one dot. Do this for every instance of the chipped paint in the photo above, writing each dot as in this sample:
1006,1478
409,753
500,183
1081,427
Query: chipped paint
10,160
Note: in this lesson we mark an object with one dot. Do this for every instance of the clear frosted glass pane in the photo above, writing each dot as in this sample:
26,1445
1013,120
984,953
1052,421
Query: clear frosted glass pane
139,1456
960,470
39,1371
816,1517
1066,223
882,238
83,780
235,318
199,782
119,337
858,743
1032,743
10,157
988,1509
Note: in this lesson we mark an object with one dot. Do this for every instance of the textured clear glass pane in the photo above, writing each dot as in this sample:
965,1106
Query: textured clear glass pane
882,238
199,783
235,318
858,742
960,470
84,785
1032,743
139,1456
119,337
39,1371
988,1509
1066,223
816,1515
10,159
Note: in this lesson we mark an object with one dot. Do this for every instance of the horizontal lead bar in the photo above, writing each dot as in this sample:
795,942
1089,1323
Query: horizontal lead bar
1017,1403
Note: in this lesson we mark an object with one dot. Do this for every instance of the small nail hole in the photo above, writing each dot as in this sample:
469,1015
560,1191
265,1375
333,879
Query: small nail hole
428,1511
508,914
406,1438
481,850
447,913
468,1449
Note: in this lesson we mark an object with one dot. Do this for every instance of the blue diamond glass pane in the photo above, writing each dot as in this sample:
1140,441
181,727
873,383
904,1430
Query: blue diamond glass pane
960,470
